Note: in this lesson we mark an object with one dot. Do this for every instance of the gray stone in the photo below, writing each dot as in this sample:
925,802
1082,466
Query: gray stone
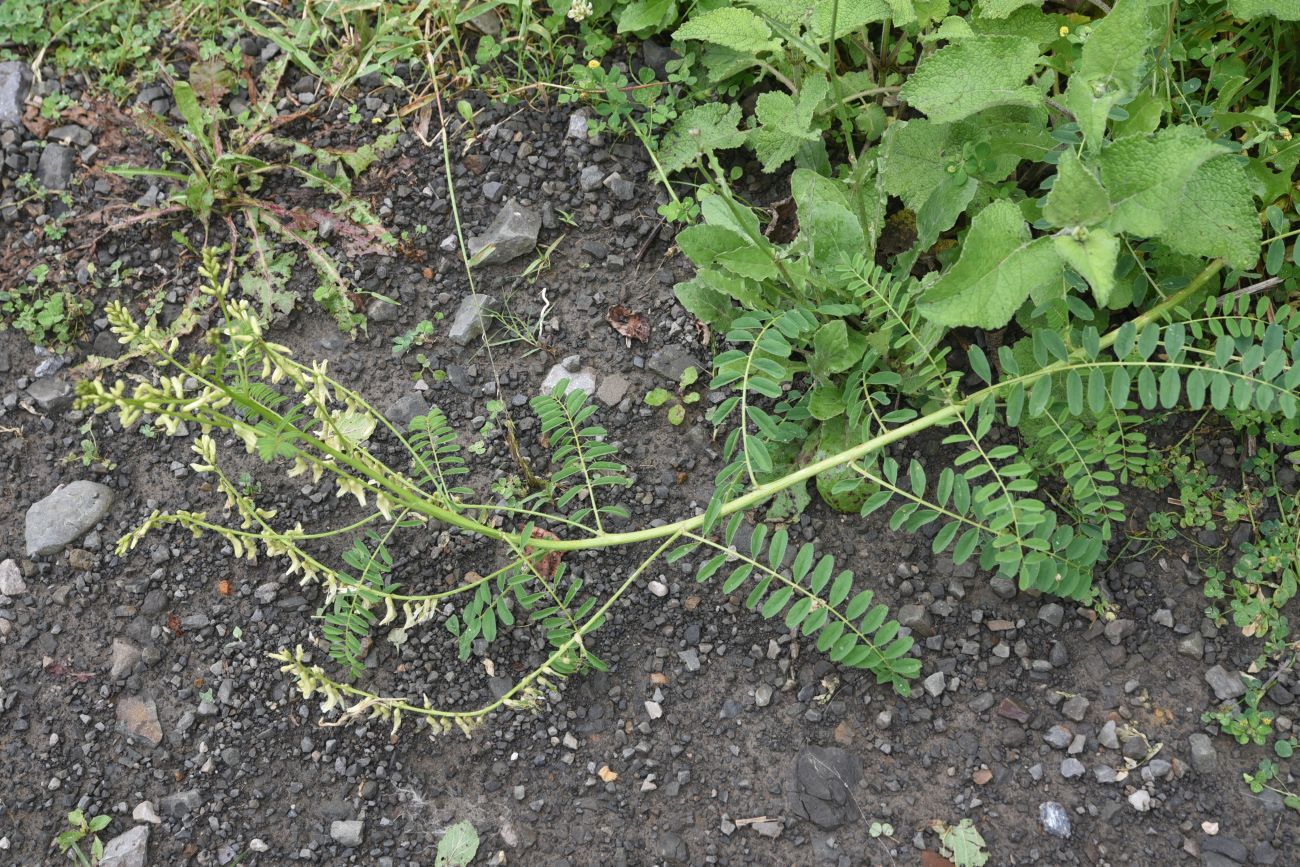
54,170
1226,684
763,695
1140,800
1193,645
70,134
180,804
1117,630
1205,758
612,389
1163,617
11,579
1054,818
493,191
380,310
471,318
1058,737
671,362
1072,768
672,848
1051,614
1226,846
401,411
583,378
1107,737
15,82
145,812
578,125
935,684
512,234
623,189
127,850
1105,774
124,658
1003,587
137,718
51,393
64,516
590,177
824,782
1075,708
347,832
917,619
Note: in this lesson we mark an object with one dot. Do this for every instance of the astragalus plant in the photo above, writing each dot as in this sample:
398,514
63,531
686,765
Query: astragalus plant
239,387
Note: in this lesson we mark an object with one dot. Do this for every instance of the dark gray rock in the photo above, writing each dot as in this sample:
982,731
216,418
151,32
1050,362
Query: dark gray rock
1117,630
471,318
917,619
55,168
671,361
51,393
1192,645
512,234
180,804
1052,614
71,134
15,82
64,516
1075,708
127,850
408,406
137,718
824,782
590,178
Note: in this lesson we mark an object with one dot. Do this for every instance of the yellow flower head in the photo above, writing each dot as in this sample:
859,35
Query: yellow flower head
593,64
1064,30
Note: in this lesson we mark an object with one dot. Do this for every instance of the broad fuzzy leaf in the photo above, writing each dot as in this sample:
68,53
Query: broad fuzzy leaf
826,221
1285,10
999,266
849,16
1216,215
1093,256
1147,177
702,130
1115,55
1077,198
973,74
731,27
785,125
1002,8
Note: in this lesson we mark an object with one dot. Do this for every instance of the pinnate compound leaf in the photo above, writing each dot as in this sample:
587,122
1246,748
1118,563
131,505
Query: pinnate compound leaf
457,847
973,74
1093,257
731,27
784,124
1077,197
1216,215
703,129
1147,177
999,266
1285,10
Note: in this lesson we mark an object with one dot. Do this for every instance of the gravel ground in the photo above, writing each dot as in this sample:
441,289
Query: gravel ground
139,686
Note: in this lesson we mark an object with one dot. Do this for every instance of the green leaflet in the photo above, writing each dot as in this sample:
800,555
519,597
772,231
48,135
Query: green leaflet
784,125
731,27
1286,10
702,130
646,14
1093,256
973,74
1077,197
1216,215
1146,177
998,267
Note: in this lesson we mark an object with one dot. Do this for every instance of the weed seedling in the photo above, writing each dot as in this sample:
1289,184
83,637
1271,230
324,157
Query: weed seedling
79,830
679,400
